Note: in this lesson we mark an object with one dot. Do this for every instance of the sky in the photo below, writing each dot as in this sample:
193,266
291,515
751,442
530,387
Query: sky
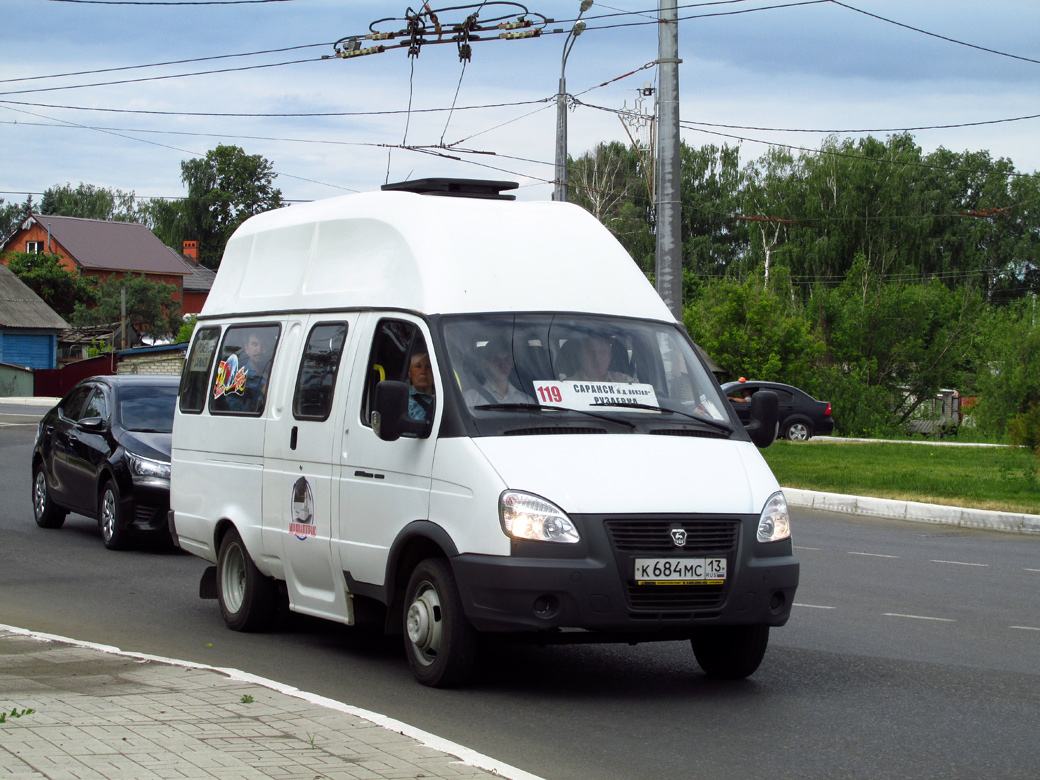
753,73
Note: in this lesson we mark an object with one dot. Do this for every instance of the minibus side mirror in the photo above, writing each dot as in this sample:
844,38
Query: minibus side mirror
390,418
765,411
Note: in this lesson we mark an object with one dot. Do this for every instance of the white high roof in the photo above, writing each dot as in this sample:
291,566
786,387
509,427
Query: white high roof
430,254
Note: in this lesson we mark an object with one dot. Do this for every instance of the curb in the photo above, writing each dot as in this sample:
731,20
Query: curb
144,728
915,512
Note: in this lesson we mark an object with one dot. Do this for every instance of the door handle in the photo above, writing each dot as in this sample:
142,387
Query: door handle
293,435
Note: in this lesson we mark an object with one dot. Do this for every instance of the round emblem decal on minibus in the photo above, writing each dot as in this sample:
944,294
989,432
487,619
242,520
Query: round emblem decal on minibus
678,536
301,522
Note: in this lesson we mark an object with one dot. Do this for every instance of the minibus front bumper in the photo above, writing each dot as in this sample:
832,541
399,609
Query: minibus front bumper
592,585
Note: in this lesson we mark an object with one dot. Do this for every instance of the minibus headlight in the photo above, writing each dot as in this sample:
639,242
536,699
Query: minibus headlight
774,523
525,516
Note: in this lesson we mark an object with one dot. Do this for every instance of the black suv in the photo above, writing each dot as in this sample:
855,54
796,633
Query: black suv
104,451
801,416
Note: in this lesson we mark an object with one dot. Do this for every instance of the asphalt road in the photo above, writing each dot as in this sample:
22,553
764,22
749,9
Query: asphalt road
913,652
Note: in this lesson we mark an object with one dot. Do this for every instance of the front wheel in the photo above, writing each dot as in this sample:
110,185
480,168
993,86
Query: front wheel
730,652
110,518
47,513
439,641
247,598
798,431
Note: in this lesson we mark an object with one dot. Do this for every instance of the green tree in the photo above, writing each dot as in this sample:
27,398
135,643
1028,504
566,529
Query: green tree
44,274
90,202
1008,376
892,345
187,328
711,183
12,215
150,308
224,189
611,183
754,331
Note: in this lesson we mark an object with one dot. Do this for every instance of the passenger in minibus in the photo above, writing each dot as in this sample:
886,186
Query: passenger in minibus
255,367
421,391
496,368
594,362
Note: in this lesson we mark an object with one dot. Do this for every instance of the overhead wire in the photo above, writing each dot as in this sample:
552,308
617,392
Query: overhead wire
694,126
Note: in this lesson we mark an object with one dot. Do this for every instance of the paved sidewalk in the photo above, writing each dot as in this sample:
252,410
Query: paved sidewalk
101,714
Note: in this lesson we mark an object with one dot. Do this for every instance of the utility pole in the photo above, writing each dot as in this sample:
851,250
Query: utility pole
669,207
560,189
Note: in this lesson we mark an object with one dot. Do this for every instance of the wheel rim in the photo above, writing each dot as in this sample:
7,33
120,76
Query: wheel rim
233,578
108,515
424,624
798,432
40,494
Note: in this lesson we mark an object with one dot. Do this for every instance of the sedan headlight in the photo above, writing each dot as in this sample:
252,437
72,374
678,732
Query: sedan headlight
525,516
774,523
146,467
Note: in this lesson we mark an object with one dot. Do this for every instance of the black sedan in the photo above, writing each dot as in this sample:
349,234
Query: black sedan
104,451
801,416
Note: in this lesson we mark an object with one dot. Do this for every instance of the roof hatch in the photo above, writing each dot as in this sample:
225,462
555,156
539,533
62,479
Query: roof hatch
456,188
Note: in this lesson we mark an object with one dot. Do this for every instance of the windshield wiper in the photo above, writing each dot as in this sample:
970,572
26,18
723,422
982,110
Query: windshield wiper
546,407
696,418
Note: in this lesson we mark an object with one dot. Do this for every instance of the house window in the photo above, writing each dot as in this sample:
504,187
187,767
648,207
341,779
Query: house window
33,247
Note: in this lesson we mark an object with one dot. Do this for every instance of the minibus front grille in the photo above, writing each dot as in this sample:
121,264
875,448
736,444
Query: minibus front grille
654,537
633,538
665,598
551,431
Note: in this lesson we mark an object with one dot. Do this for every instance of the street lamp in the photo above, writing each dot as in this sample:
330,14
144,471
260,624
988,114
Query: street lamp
560,191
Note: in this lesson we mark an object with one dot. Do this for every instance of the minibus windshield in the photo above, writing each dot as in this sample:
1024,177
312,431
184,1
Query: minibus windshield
606,368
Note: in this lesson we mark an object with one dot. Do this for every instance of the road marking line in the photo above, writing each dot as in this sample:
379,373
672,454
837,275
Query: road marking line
812,606
1032,569
872,555
963,563
816,549
1027,628
919,617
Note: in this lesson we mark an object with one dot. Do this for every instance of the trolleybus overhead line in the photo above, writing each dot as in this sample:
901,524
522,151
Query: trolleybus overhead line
425,27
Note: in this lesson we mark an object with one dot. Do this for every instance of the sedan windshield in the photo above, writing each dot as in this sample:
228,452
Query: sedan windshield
602,368
147,409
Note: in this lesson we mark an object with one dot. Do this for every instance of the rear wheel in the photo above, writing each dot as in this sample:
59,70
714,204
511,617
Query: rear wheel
110,518
730,652
247,598
47,513
798,431
439,641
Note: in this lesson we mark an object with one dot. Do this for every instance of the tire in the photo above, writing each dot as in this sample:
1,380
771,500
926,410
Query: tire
439,641
798,431
247,598
730,652
47,513
110,518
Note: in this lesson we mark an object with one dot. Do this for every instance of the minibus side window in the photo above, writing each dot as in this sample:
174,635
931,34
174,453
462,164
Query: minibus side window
240,384
395,346
316,381
195,377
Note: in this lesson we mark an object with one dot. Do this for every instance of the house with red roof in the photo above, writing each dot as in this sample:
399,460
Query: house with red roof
100,248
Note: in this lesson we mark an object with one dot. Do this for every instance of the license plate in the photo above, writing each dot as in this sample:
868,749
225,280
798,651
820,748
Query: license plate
680,571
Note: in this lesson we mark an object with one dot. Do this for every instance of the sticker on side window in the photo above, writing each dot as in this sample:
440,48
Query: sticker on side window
230,378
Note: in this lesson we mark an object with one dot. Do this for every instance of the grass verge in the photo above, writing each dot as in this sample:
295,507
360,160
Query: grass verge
999,478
